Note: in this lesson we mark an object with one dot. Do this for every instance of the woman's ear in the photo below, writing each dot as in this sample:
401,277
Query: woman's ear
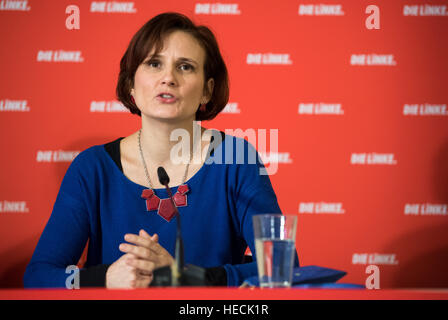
209,89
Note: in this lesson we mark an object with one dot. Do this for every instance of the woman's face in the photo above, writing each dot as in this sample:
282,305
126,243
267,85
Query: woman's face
170,85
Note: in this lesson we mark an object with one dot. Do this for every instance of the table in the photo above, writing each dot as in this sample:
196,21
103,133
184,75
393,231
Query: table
201,293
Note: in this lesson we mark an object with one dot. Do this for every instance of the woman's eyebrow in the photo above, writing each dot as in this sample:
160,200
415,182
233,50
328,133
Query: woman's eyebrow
183,59
153,56
180,59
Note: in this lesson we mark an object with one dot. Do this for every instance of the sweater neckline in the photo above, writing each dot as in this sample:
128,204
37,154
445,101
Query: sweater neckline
123,177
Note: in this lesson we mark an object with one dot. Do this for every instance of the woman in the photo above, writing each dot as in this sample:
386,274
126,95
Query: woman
171,75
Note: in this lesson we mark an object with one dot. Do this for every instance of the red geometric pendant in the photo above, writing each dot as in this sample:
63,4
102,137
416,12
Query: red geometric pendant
166,210
153,203
180,198
164,207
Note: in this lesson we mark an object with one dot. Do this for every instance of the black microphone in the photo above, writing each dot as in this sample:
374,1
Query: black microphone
163,176
178,274
164,179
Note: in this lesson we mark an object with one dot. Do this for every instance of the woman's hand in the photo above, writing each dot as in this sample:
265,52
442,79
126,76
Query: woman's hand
147,252
121,274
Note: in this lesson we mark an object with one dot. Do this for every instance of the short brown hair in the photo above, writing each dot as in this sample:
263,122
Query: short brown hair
151,36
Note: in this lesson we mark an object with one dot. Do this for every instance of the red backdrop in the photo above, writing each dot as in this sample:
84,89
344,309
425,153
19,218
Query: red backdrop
361,114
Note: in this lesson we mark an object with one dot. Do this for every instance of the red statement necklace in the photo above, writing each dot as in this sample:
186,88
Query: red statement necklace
164,207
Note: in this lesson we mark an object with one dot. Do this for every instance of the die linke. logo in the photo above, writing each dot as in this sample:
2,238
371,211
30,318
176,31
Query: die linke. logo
113,7
107,106
320,108
372,59
373,158
425,10
13,206
375,258
59,56
320,10
268,58
425,110
12,5
56,156
14,105
321,207
217,8
116,106
415,209
275,157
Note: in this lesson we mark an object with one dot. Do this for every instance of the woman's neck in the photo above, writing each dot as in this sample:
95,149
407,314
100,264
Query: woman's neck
159,138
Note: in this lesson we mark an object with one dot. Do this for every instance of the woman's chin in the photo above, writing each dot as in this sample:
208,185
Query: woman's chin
168,113
166,116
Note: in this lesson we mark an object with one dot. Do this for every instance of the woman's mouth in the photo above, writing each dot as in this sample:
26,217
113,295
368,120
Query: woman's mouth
166,98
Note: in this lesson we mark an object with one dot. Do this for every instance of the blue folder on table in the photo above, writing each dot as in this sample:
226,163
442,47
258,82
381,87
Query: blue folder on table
312,277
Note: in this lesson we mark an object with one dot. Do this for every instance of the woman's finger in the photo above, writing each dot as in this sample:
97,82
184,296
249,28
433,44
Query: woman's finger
144,242
138,240
145,266
138,251
144,234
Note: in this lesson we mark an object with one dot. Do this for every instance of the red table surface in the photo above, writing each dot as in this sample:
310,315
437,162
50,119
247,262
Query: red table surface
199,293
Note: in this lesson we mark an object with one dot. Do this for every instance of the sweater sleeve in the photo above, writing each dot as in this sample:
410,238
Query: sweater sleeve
65,234
254,195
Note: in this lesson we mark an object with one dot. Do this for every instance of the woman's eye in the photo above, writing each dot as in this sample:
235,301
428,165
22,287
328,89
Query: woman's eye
186,67
153,64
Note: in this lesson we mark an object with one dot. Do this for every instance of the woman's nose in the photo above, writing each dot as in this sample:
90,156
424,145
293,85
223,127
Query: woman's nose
169,77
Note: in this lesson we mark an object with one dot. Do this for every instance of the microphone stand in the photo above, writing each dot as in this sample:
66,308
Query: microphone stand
177,274
176,270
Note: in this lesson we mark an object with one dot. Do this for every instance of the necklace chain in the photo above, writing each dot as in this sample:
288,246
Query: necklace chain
146,169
